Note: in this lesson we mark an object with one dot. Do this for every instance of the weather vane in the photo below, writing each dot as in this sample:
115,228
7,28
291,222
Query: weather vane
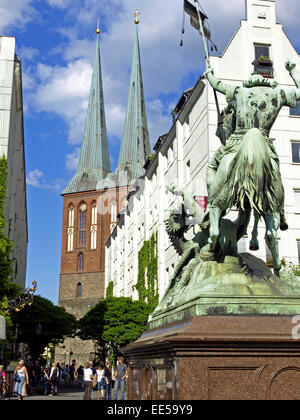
136,15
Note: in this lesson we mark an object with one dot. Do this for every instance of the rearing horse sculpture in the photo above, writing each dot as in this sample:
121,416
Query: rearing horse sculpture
245,172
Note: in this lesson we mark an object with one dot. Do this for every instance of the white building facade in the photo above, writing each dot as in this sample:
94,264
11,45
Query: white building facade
183,154
12,147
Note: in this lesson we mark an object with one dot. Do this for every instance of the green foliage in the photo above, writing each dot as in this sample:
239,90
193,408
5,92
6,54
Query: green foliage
115,321
55,323
147,283
7,287
110,290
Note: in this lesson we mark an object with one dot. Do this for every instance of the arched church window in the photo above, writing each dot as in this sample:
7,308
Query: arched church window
82,225
81,262
79,290
113,211
70,234
94,226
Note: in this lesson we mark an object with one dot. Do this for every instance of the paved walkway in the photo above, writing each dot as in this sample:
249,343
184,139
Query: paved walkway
75,392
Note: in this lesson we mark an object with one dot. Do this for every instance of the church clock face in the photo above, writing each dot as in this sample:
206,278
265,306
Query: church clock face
83,207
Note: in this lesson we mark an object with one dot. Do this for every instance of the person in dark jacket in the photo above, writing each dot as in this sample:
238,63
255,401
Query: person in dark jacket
108,381
54,378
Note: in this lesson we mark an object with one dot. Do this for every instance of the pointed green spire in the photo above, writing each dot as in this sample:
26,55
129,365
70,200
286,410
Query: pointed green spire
135,147
94,160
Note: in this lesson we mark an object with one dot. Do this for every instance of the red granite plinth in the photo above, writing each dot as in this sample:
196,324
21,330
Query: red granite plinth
217,358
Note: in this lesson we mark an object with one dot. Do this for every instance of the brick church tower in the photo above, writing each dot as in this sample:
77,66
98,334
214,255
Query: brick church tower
94,198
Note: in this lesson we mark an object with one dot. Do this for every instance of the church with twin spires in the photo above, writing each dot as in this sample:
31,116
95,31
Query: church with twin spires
96,195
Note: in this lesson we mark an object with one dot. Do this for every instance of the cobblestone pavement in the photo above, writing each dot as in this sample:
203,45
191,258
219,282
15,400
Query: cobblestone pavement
75,392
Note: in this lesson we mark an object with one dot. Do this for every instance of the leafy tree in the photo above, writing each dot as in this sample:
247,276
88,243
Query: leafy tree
7,287
110,290
55,324
115,321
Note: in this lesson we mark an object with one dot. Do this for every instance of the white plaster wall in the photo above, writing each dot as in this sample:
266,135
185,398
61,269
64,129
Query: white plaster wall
193,140
12,147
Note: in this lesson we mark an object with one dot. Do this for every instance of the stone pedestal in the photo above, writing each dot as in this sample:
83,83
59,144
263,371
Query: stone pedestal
217,357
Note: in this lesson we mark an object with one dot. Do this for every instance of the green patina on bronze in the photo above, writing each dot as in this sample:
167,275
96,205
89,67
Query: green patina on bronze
211,278
94,160
135,146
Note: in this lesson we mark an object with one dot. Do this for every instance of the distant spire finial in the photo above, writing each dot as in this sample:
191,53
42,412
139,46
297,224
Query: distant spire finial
98,27
136,15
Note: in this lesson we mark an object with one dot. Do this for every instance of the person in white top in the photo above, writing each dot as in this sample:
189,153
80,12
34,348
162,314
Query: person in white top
88,378
101,380
21,377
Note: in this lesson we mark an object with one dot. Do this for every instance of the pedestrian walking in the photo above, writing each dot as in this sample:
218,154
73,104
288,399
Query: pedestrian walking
20,378
54,376
120,378
46,380
88,378
80,371
108,381
100,380
2,379
66,376
35,376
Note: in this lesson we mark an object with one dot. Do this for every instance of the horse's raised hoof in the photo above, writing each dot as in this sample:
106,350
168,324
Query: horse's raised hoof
254,245
283,225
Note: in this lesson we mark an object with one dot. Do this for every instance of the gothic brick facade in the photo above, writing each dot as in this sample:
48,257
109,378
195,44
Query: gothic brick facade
82,277
82,283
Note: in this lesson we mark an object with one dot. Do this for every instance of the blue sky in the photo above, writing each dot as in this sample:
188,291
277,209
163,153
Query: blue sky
56,42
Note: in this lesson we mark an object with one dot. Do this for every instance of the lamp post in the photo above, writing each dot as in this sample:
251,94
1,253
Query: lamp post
38,331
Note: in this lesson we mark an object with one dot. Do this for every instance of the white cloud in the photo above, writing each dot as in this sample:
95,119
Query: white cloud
36,178
72,159
62,4
28,53
14,12
64,89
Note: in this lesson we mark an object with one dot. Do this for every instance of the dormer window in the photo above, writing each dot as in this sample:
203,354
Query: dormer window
263,64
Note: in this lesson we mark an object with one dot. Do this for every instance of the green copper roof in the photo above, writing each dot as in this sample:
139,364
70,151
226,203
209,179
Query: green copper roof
135,147
94,161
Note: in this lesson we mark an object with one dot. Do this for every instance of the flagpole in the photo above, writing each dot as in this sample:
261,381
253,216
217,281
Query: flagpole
220,119
202,32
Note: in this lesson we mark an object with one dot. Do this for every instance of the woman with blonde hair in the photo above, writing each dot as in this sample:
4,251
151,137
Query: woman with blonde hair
21,378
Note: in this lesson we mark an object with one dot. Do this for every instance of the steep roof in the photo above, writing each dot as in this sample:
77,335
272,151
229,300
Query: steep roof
94,160
135,147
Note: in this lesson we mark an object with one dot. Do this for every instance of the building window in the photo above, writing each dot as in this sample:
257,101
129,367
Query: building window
296,152
79,290
295,111
70,233
113,211
297,201
298,246
94,226
81,262
263,64
82,225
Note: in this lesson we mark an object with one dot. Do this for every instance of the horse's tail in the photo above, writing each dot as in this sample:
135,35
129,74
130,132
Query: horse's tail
252,176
